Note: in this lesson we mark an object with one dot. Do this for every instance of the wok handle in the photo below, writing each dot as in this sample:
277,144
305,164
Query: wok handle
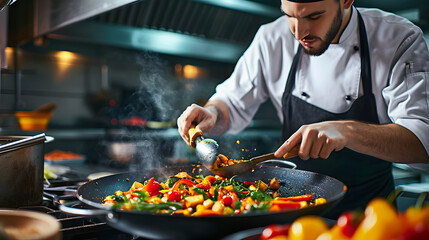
67,208
288,163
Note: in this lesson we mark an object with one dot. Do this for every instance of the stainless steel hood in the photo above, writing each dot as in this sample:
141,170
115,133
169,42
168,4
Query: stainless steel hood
207,29
217,30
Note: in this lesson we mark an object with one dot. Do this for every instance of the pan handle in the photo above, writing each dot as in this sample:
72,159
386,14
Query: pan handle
288,163
67,208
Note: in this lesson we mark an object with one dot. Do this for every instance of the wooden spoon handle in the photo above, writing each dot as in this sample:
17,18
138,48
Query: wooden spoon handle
292,153
49,107
193,134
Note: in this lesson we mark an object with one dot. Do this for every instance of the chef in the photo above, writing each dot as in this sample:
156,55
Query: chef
350,86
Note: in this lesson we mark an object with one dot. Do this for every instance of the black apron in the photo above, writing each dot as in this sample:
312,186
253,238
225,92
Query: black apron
366,177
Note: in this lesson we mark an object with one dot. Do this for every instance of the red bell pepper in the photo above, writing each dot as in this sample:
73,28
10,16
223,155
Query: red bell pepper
204,186
306,197
284,205
210,179
249,183
152,187
185,181
349,221
275,230
174,196
206,183
226,200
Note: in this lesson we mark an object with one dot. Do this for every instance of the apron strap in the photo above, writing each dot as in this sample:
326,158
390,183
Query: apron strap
292,72
365,58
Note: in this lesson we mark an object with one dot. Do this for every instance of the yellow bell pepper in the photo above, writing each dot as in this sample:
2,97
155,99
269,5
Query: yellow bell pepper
307,228
381,222
333,234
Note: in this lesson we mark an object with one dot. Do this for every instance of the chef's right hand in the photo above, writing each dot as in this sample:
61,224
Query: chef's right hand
203,118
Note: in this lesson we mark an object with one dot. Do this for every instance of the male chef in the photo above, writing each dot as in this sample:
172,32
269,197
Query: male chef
350,86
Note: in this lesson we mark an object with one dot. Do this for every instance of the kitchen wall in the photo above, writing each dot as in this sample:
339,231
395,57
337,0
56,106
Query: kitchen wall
93,85
83,82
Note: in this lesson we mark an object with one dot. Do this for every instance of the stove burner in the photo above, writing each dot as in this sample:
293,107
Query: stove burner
72,226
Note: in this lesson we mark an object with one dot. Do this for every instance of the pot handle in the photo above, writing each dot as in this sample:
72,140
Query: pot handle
49,139
288,163
67,208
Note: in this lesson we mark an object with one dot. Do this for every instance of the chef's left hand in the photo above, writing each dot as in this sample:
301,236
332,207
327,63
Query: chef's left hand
316,140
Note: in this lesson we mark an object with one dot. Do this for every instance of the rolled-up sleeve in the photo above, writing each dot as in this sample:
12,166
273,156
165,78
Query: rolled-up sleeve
245,90
407,95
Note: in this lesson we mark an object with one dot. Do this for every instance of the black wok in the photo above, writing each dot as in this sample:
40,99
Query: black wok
157,226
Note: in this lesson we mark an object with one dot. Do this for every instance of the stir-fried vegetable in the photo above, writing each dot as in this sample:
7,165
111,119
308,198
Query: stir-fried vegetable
206,195
224,161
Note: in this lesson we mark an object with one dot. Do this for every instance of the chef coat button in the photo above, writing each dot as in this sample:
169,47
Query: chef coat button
348,97
304,94
356,48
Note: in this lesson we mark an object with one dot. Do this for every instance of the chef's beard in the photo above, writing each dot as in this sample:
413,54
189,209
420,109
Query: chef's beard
330,35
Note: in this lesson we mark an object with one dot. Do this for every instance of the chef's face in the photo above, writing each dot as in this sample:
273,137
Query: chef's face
315,24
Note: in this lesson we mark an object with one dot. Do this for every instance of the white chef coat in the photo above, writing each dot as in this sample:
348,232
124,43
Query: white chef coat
399,64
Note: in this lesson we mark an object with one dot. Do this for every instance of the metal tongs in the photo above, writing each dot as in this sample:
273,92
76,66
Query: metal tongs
206,150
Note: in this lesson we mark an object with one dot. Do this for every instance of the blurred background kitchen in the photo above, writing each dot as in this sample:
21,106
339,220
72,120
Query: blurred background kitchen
116,74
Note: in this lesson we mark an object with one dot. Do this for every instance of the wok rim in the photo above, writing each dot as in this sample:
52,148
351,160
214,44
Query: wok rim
332,201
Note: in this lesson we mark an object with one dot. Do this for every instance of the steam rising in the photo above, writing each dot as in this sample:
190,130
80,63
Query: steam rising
156,94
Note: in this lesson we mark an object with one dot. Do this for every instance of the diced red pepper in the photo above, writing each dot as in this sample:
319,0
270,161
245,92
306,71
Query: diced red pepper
206,183
187,182
152,187
226,200
284,205
174,196
220,195
249,183
203,186
210,179
306,197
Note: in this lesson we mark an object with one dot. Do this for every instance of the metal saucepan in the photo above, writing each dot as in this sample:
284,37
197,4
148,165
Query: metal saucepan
21,170
157,226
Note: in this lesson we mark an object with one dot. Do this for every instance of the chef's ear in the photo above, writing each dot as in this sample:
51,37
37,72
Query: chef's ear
347,3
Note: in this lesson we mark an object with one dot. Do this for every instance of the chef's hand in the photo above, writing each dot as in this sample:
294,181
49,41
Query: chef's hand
316,140
204,119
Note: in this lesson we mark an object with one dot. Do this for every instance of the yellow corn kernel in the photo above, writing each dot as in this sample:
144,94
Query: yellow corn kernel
252,188
119,193
108,198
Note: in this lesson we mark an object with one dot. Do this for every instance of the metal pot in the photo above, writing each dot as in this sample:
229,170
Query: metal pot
21,170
